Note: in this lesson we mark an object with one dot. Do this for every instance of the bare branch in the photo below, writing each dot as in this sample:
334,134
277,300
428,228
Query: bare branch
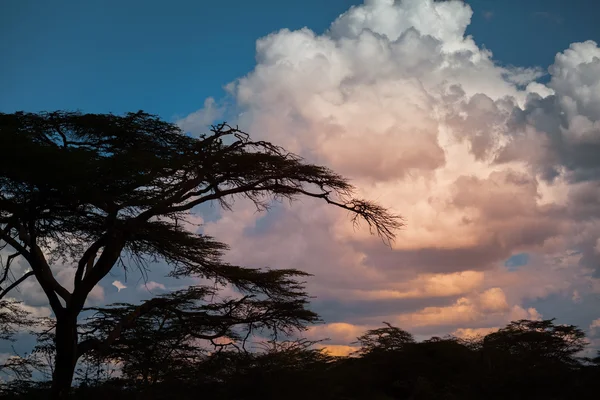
15,284
42,272
6,267
86,262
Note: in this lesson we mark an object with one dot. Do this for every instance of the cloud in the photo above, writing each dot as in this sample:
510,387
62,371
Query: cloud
120,286
594,327
36,312
467,333
560,134
483,162
200,120
523,76
151,285
337,332
338,350
427,286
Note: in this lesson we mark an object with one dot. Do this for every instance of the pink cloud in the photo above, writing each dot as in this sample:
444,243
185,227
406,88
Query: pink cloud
152,286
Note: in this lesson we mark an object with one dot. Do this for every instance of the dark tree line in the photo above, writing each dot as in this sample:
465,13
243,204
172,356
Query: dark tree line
524,360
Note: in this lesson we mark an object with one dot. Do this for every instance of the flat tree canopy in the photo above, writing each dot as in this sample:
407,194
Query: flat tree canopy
94,190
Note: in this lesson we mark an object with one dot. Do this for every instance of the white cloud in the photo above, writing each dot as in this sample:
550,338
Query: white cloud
523,76
199,121
119,285
151,285
540,89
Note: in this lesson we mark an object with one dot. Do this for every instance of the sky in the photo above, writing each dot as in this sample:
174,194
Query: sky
477,121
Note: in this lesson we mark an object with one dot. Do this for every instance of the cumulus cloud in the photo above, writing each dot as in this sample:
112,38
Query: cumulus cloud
562,129
483,162
203,118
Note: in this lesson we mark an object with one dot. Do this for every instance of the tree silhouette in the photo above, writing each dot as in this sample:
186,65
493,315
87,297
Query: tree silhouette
96,189
535,358
12,317
388,338
170,336
156,364
538,342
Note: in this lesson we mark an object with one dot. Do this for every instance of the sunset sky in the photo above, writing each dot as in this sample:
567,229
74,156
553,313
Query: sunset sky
477,121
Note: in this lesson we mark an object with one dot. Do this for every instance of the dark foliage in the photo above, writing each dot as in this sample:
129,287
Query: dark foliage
545,366
99,191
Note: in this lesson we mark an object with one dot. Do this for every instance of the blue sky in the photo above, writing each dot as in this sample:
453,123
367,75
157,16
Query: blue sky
167,57
500,257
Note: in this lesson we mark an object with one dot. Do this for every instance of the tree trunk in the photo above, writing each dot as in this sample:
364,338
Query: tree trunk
66,356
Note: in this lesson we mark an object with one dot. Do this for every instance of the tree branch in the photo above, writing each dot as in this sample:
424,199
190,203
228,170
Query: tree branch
15,245
46,274
254,186
126,322
38,264
15,284
42,272
110,255
84,262
7,267
375,216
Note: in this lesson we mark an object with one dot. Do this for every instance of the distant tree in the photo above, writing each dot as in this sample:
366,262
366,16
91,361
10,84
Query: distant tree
436,368
276,370
388,338
376,366
96,190
536,359
538,341
187,324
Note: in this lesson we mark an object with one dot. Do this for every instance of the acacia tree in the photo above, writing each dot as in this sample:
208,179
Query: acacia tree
537,343
96,190
185,325
388,338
